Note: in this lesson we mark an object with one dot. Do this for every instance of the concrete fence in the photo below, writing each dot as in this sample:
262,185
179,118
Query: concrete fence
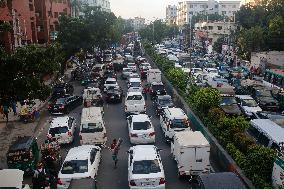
218,153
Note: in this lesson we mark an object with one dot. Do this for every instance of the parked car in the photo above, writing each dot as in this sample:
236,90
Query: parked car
145,169
248,105
80,162
157,88
141,130
61,90
114,95
265,99
62,129
65,105
161,102
134,103
228,180
229,105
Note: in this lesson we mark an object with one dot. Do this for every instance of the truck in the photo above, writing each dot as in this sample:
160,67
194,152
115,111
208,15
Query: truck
191,151
154,75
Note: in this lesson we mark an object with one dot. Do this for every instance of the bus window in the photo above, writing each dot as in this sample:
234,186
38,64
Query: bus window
262,139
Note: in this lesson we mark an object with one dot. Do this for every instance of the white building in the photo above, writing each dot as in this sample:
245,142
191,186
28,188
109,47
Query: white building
213,30
171,14
104,4
138,23
193,7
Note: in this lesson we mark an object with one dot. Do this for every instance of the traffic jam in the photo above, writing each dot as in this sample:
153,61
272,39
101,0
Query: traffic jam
118,81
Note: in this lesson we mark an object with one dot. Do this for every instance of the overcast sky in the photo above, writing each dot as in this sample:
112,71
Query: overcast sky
144,8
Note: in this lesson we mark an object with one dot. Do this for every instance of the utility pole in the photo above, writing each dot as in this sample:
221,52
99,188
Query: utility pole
190,32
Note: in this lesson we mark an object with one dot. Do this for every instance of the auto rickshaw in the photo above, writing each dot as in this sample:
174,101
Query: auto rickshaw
23,154
28,111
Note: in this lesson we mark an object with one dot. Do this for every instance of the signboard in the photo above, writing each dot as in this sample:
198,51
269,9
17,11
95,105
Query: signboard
278,173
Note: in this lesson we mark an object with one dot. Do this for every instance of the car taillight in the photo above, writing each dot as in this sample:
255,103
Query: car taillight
133,135
152,134
132,183
69,133
59,181
105,135
62,107
49,106
162,181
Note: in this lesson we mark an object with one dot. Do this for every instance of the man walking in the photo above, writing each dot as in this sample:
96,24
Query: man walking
115,147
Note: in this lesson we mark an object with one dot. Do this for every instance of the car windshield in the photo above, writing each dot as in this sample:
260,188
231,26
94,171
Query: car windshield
146,167
135,84
134,97
164,102
110,82
228,101
158,87
141,125
127,70
60,101
75,166
58,130
249,103
92,127
179,123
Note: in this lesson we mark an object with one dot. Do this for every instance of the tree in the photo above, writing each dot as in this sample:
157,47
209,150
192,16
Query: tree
178,78
217,46
275,37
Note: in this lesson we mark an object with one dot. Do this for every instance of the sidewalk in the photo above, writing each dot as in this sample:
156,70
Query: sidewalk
14,128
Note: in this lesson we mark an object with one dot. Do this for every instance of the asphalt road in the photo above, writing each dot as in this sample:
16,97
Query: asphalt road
116,126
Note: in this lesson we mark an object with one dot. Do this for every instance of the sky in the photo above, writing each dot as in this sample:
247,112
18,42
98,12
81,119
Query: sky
149,9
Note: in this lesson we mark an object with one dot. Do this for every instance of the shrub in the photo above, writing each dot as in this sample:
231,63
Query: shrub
177,78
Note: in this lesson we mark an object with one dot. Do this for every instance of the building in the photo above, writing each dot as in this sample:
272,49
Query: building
171,14
250,2
268,60
229,8
138,23
186,9
6,20
47,18
211,31
104,4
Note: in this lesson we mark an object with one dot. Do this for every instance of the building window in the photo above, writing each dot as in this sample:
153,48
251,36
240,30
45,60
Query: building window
210,27
51,27
49,14
216,6
31,6
223,6
223,12
234,6
40,28
55,14
191,6
219,27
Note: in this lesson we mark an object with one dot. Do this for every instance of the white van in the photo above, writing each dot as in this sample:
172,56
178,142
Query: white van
191,151
154,75
173,120
134,85
134,103
92,129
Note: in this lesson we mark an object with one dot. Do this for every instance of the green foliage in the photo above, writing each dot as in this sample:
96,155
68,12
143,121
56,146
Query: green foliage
178,78
21,73
215,114
205,99
5,27
217,46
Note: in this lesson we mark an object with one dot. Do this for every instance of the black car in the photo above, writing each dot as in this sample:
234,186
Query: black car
65,105
230,106
109,74
162,102
264,98
157,88
61,90
114,95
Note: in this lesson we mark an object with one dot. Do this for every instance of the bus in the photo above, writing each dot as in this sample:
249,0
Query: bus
274,78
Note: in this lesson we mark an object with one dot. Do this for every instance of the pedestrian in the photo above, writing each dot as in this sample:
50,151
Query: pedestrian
14,107
2,112
6,111
115,146
145,91
39,177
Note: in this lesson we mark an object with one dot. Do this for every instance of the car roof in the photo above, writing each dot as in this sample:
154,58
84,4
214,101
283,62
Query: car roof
140,118
191,138
273,130
111,79
157,83
133,93
144,152
80,152
244,97
22,143
134,80
164,97
226,180
175,113
59,121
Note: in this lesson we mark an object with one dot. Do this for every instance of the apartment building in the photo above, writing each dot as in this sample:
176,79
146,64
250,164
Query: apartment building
186,9
171,14
47,18
213,30
136,23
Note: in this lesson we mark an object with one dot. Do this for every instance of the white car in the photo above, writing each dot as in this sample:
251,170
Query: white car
80,162
248,105
212,72
132,66
135,85
62,129
134,103
145,169
110,82
144,65
141,130
133,75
